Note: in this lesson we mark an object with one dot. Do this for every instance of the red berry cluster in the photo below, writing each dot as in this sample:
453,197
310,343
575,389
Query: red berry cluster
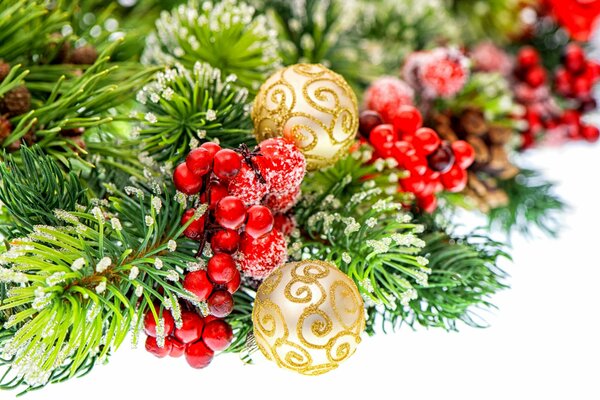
198,337
576,78
248,194
433,165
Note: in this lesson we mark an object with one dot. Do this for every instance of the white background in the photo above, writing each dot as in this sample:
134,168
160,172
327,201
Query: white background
543,343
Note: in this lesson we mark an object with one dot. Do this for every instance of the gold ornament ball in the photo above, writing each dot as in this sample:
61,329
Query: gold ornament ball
308,317
310,105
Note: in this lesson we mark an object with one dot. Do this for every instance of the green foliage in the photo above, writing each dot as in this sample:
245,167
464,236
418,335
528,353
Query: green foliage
227,35
30,201
181,108
532,203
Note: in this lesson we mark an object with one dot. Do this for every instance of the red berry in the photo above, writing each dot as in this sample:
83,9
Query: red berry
590,133
199,161
386,95
230,212
150,323
282,202
413,183
463,153
260,221
442,159
536,76
574,58
528,57
368,120
211,147
427,203
220,303
247,186
225,241
282,165
455,179
217,335
191,329
227,164
402,150
217,192
152,347
234,284
416,163
198,355
185,181
198,283
260,256
221,268
383,138
407,120
582,87
284,224
194,230
426,141
571,117
177,348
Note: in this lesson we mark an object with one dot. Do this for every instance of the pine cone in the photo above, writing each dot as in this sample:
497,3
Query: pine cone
85,55
5,128
16,102
473,122
4,70
499,134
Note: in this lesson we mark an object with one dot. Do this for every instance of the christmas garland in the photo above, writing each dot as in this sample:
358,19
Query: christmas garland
230,176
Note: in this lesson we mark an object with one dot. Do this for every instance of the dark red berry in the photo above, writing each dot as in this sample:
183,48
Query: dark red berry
152,347
221,268
426,141
368,120
199,161
284,224
191,329
234,284
217,335
260,221
150,323
528,57
455,179
198,283
195,229
225,241
463,153
185,181
230,212
211,147
407,120
220,303
226,164
442,159
198,355
177,348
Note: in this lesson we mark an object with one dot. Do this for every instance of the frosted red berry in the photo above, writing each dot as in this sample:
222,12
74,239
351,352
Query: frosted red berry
226,164
220,303
217,335
258,257
185,181
199,161
198,355
198,283
153,348
191,328
247,186
150,323
225,241
284,224
282,165
260,221
230,212
282,202
221,268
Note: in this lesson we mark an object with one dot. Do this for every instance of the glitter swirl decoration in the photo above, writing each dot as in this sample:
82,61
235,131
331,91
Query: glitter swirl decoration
310,105
308,317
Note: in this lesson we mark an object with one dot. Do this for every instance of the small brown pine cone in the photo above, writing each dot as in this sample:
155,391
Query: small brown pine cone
497,198
498,160
4,70
476,185
472,122
85,55
5,128
482,153
446,133
509,172
17,101
499,134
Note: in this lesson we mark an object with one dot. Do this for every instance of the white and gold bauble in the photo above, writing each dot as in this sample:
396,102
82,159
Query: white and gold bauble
308,317
310,105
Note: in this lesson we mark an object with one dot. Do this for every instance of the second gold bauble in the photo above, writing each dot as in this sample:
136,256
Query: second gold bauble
310,105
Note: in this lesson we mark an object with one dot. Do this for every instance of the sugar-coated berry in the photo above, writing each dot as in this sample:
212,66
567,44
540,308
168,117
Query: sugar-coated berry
198,355
247,186
260,221
284,224
528,57
221,268
536,76
212,148
463,153
282,202
177,347
407,120
199,161
383,138
195,229
217,335
225,241
234,284
220,303
153,347
426,141
191,328
185,181
230,212
226,164
198,283
590,133
427,203
442,159
150,323
455,179
368,120
260,256
386,95
281,164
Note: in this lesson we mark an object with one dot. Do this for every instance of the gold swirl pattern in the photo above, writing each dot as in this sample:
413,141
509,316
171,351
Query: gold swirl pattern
310,105
308,317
